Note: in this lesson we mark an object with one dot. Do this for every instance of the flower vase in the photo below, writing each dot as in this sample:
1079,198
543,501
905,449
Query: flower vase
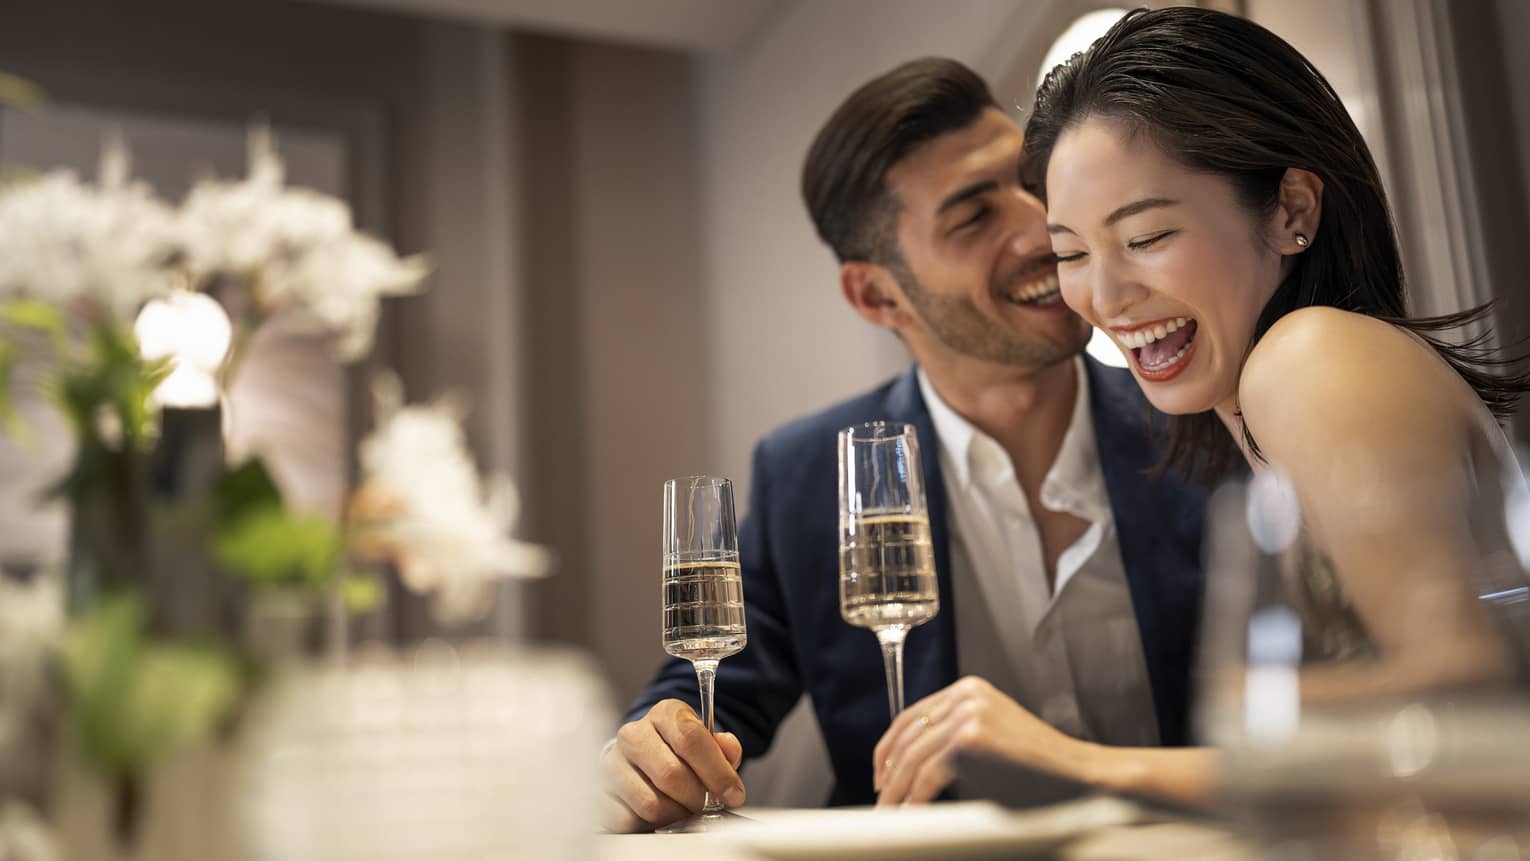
183,810
108,495
145,595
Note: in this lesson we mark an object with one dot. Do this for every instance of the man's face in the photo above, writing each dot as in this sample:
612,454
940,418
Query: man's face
977,261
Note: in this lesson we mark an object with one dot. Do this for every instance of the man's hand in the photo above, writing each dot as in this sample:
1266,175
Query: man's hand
661,765
915,759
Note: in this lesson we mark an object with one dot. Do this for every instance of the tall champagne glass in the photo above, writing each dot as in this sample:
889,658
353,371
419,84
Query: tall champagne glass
703,593
886,563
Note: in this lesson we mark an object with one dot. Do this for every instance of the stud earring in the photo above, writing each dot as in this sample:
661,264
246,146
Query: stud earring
1301,241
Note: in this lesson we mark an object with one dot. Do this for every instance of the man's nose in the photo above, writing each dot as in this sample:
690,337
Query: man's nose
1027,224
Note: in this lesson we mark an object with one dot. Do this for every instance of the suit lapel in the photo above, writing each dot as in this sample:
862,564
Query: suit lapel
1158,525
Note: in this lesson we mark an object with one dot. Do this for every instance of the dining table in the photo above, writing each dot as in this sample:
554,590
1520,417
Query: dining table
779,834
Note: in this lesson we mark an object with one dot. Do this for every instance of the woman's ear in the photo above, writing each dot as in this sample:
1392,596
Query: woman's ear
874,293
1299,211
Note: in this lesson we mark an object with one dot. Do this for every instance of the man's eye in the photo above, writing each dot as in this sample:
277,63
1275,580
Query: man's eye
976,218
1139,244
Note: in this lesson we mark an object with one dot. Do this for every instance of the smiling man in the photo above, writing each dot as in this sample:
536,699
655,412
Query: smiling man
1070,582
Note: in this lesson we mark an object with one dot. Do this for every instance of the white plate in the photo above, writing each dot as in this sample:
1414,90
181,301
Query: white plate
956,830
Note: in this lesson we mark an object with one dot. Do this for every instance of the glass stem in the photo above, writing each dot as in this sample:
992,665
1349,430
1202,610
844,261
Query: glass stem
892,639
706,678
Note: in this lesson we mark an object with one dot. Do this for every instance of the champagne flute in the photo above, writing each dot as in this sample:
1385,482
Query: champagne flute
886,562
703,594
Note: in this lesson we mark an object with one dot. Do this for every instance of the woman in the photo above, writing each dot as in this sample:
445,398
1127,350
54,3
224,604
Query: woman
1214,210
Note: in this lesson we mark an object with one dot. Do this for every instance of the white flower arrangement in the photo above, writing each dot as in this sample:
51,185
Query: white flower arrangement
295,248
80,262
114,246
94,249
270,253
420,489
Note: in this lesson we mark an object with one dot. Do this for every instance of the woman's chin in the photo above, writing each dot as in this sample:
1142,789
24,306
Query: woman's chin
1174,400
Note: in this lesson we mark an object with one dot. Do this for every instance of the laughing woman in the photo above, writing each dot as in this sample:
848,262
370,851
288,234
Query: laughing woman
1215,210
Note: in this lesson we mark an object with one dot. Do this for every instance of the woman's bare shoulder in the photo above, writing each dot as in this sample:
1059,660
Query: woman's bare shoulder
1323,375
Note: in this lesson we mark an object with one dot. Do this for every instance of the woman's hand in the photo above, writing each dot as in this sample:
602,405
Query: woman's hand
915,759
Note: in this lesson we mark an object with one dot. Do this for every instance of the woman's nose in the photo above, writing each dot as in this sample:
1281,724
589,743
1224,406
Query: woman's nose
1114,290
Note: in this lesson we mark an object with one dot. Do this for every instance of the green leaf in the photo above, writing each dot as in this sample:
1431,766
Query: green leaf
86,473
127,380
39,317
244,490
360,593
11,173
114,380
274,547
10,419
100,650
19,92
100,644
178,693
132,700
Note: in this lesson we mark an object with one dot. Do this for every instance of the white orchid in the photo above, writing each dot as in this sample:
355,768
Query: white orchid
297,250
337,285
100,247
448,537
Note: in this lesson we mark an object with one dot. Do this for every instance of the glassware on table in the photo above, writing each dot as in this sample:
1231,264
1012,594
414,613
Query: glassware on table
1330,746
441,751
703,595
886,562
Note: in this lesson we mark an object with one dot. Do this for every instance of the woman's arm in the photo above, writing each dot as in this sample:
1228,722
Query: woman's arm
1182,775
1374,430
916,758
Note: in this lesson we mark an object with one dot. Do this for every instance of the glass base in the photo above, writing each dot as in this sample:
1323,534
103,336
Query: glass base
703,822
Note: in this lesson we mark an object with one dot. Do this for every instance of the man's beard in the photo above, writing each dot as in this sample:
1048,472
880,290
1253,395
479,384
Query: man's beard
959,325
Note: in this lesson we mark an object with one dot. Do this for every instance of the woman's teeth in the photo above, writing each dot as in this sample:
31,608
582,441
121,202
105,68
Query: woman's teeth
1142,337
1038,292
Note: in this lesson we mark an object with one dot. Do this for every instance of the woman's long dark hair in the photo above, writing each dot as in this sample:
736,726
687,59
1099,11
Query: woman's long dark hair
1222,95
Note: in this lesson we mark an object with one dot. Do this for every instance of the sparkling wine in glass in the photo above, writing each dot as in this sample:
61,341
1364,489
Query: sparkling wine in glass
703,594
886,562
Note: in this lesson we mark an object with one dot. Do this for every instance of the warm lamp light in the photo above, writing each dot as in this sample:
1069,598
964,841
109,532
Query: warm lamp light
192,330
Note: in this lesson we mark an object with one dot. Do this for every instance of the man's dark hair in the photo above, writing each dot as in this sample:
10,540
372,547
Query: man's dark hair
879,124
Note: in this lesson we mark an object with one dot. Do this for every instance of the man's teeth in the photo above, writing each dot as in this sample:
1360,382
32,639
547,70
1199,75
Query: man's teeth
1037,289
1147,335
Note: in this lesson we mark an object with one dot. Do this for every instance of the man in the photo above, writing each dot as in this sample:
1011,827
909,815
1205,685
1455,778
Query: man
1069,581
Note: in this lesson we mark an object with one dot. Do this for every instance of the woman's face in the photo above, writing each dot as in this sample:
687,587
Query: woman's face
1165,260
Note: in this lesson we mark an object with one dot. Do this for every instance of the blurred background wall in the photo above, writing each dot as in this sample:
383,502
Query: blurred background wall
627,287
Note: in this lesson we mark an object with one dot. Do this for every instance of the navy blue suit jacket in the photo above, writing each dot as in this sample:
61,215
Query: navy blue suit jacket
789,554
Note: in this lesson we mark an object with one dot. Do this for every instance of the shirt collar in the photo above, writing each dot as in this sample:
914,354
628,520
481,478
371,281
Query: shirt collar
955,433
1074,483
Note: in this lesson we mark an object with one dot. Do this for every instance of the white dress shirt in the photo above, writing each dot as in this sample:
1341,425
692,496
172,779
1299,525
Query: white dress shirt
1071,654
